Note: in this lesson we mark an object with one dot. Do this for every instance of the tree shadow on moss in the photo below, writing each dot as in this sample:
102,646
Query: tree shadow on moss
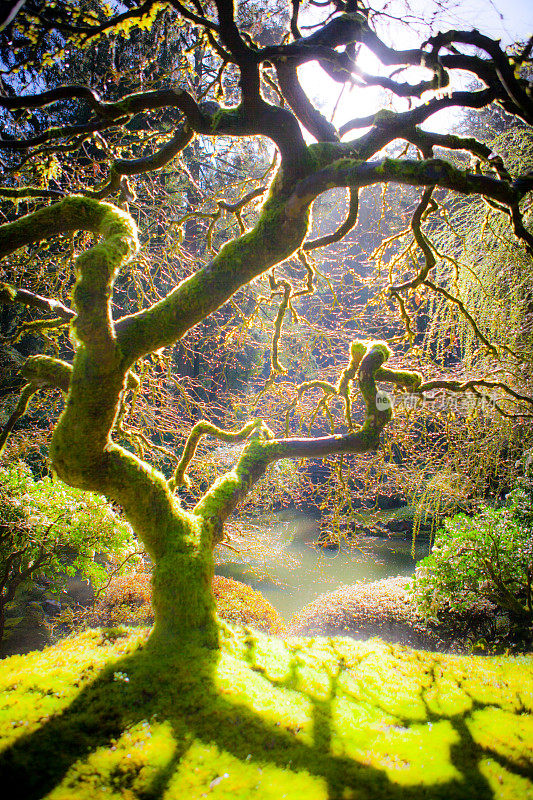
181,689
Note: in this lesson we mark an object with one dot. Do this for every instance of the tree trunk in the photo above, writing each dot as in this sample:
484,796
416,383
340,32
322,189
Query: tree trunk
183,599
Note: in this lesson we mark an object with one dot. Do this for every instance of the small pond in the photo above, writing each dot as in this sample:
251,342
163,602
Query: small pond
293,570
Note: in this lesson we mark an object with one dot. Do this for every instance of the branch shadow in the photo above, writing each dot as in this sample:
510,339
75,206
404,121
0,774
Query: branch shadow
181,689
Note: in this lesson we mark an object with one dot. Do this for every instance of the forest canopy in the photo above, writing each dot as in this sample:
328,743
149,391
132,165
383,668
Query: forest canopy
179,268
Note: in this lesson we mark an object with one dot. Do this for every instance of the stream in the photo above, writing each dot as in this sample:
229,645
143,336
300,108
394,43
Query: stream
285,563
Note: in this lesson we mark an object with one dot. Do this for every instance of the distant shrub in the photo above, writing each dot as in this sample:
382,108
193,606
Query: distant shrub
239,603
127,601
50,532
486,557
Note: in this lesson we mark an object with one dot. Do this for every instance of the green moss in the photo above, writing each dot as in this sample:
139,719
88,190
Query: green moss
357,351
385,115
219,495
7,293
409,379
220,500
227,118
264,718
324,153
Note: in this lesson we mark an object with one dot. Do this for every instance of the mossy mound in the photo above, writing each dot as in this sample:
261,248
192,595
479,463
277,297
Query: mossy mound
104,715
362,610
128,601
239,603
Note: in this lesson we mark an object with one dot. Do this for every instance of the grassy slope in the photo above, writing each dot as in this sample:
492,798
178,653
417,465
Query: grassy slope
101,716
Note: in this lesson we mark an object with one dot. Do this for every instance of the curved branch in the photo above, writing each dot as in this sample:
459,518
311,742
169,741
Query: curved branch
274,238
341,30
136,166
44,372
406,120
427,140
91,31
201,429
342,230
47,371
29,191
253,117
439,80
422,242
74,213
503,71
20,409
286,287
365,357
110,110
62,132
315,122
294,20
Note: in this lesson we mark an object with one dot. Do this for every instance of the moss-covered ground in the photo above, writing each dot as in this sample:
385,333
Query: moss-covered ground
103,715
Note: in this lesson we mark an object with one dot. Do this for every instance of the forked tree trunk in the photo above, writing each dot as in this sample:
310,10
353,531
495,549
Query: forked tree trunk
180,543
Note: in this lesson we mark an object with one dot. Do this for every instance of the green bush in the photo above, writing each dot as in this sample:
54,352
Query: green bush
486,557
50,532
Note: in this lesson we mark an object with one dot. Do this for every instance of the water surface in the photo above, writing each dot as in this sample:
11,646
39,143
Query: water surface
292,570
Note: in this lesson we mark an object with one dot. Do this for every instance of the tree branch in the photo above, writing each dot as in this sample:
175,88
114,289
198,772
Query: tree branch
10,294
342,230
367,359
309,116
20,409
201,429
430,172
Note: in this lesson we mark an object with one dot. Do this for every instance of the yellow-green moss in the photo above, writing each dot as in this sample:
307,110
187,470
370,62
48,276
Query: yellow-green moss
101,715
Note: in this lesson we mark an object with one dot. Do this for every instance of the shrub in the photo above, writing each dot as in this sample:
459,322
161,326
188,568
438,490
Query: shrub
239,603
486,557
127,600
49,532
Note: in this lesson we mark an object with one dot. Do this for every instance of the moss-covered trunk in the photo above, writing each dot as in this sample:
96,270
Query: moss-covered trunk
183,600
83,454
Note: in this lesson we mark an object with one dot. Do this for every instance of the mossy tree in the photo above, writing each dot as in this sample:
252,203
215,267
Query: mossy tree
272,104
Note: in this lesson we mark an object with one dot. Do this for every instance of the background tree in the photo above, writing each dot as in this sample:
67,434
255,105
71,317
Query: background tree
257,93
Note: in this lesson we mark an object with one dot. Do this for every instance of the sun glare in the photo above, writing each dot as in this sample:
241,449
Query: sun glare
341,103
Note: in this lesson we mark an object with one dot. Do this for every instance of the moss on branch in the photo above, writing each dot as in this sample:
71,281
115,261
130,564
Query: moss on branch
366,363
352,172
200,430
82,452
407,379
20,409
275,237
226,492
